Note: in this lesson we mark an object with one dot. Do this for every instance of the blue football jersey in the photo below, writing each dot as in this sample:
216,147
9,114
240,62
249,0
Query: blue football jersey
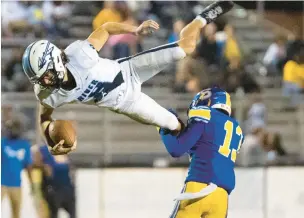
212,139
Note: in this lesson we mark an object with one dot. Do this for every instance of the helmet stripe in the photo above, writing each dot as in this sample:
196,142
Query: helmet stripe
228,100
26,63
200,113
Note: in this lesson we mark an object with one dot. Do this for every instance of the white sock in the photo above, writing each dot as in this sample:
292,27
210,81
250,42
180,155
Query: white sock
203,20
178,53
172,123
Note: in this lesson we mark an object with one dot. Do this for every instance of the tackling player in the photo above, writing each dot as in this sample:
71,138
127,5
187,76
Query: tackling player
79,75
212,139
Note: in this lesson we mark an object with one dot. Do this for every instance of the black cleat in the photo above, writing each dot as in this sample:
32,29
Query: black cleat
216,9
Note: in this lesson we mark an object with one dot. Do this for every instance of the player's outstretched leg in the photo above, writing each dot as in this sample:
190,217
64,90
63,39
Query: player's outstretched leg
146,111
190,33
148,63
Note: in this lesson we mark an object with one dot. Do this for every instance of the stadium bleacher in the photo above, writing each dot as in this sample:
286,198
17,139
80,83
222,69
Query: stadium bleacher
104,133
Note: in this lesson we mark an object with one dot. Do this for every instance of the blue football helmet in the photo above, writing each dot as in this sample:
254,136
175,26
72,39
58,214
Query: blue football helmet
213,97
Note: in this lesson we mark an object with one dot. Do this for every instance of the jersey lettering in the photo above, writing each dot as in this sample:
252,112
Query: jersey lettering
98,90
226,149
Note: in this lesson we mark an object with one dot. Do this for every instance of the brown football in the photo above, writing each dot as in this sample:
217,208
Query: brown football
62,130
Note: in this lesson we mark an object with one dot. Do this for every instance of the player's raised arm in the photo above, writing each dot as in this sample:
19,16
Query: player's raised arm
100,36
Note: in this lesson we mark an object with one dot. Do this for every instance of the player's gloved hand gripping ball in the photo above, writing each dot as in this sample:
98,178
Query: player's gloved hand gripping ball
63,136
165,131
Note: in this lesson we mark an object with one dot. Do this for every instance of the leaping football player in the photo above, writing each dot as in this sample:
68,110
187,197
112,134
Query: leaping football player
78,75
212,139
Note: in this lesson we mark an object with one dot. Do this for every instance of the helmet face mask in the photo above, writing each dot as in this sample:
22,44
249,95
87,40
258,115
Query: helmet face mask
43,65
50,80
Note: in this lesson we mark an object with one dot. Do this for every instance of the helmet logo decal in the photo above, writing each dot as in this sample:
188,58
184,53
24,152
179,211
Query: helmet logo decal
43,60
205,94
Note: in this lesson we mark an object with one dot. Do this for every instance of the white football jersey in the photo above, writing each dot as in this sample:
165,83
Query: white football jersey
99,81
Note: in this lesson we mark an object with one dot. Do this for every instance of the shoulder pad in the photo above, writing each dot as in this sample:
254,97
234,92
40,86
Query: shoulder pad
83,53
201,113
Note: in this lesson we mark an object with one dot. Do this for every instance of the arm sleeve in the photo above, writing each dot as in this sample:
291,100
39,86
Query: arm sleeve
178,145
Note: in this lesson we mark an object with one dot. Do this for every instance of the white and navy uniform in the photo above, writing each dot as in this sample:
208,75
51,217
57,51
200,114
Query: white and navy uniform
115,84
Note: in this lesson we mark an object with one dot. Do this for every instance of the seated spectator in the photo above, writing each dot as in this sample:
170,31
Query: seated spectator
13,78
36,18
14,16
162,10
295,42
252,152
56,14
275,53
207,48
272,144
191,75
124,45
256,115
231,48
235,76
220,38
293,78
260,146
109,13
177,27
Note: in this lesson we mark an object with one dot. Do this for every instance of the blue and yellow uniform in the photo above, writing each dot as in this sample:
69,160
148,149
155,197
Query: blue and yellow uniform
212,139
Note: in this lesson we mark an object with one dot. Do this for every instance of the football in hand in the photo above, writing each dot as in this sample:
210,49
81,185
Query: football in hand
62,130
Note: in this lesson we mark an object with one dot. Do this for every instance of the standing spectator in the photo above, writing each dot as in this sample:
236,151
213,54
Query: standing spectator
39,169
275,53
15,156
6,114
177,27
57,186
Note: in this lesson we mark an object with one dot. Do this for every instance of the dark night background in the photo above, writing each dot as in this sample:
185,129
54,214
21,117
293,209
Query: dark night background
275,5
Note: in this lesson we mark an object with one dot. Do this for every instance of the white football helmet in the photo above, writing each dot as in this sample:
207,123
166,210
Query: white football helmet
41,57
